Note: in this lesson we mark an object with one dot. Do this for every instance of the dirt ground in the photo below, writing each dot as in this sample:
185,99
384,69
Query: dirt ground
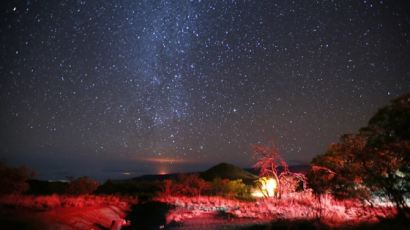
61,218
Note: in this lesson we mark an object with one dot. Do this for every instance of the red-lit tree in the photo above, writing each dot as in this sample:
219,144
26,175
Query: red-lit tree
292,182
339,171
375,161
268,160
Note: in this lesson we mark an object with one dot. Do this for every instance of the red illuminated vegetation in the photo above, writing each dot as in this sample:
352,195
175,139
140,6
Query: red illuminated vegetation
364,178
294,206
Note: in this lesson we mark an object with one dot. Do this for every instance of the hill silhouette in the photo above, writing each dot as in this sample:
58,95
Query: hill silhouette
228,171
221,170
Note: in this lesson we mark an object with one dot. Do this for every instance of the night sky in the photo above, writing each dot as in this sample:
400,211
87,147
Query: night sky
100,88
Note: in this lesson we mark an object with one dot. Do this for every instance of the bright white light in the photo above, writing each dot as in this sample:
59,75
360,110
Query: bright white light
270,187
267,187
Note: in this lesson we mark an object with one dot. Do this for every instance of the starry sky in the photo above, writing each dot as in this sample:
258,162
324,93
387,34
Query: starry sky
103,88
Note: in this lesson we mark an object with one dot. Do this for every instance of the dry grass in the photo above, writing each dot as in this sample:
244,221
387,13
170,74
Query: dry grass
61,201
295,206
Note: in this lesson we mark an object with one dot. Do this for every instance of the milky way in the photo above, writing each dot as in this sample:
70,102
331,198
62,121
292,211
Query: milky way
182,85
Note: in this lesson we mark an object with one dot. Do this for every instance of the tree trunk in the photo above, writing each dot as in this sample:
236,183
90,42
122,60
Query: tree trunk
278,193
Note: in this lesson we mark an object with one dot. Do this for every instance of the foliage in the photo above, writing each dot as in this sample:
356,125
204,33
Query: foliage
82,185
320,177
192,185
230,189
374,161
338,171
292,206
292,182
50,202
186,185
14,180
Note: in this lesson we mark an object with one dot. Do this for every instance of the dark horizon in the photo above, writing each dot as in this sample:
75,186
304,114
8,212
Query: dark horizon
114,170
87,87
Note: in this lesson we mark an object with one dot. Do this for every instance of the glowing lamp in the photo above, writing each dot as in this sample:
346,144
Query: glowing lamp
266,187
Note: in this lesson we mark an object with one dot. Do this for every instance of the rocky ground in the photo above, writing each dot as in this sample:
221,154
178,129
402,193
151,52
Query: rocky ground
65,213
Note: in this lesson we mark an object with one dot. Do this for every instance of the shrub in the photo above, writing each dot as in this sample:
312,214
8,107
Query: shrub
185,185
372,162
230,188
192,185
14,180
82,185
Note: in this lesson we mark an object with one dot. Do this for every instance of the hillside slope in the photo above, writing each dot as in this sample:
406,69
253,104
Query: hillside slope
228,171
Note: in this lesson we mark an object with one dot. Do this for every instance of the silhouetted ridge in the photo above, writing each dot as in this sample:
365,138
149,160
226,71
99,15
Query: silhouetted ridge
228,171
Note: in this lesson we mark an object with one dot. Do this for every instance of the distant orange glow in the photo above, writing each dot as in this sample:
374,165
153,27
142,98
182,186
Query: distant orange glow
163,165
163,169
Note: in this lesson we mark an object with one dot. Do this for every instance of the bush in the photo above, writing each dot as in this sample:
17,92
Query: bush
14,180
230,188
50,202
373,162
190,185
82,185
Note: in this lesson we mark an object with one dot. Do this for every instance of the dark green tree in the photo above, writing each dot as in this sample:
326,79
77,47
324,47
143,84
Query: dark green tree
386,161
338,171
375,161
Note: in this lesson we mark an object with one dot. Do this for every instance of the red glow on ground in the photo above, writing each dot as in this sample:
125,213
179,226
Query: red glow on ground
294,206
69,212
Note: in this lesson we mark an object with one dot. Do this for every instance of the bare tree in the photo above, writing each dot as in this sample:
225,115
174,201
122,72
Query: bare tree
268,160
